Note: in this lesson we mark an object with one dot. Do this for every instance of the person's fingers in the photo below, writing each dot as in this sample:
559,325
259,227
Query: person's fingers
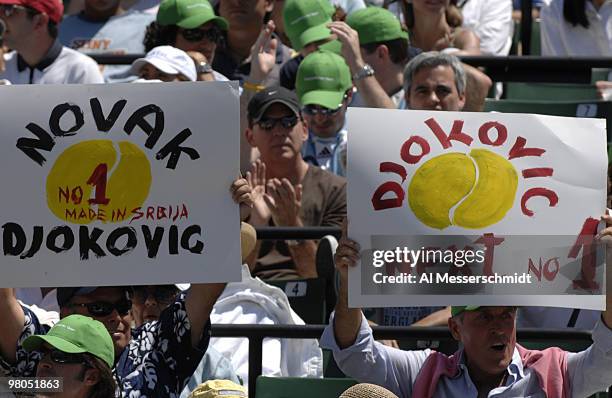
241,190
246,199
298,193
249,177
270,202
262,172
286,189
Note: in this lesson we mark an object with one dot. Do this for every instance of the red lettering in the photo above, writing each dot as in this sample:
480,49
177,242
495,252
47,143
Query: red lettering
537,271
137,214
548,273
405,151
392,167
502,133
150,215
161,212
381,204
77,195
184,213
538,172
455,135
584,242
519,151
552,197
489,241
64,194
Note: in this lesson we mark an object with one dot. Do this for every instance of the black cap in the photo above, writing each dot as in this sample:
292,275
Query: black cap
64,294
271,95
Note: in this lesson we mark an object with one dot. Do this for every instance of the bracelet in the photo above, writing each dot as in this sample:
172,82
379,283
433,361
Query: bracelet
253,87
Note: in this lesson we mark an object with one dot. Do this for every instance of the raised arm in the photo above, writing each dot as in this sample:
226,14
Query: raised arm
13,319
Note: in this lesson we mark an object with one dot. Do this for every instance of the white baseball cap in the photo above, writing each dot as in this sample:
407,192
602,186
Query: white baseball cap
169,60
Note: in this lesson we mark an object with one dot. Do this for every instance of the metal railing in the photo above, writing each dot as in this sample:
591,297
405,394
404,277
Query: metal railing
514,68
257,333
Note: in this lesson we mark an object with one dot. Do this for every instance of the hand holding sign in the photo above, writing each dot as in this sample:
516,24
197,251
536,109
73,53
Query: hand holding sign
284,201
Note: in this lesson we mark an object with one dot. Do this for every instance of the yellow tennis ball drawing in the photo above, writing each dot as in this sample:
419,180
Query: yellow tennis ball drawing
472,190
91,179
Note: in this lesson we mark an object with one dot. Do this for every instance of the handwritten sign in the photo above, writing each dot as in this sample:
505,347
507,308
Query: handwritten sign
476,208
119,184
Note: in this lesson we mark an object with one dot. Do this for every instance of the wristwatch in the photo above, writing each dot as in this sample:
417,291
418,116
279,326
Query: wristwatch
365,71
203,67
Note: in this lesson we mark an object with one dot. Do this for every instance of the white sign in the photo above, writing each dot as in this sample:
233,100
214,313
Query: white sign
119,184
476,208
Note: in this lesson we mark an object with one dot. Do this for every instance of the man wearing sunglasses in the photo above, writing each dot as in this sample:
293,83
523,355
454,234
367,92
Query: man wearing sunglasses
325,90
38,57
191,26
79,350
155,360
103,27
287,191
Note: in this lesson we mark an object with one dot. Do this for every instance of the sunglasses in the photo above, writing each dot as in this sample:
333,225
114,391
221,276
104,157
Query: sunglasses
64,358
194,35
9,9
286,122
312,110
160,294
101,308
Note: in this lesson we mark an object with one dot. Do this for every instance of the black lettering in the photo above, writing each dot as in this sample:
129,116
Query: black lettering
111,242
152,242
13,239
29,146
37,240
106,123
66,231
89,243
138,119
187,234
173,240
174,149
56,116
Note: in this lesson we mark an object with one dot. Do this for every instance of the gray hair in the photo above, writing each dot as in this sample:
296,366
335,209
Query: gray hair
432,59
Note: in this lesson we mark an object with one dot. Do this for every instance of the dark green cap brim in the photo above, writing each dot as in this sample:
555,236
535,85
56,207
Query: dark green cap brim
316,33
328,99
456,310
197,20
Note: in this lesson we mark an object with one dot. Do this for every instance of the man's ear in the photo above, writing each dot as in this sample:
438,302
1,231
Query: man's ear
41,21
455,328
269,5
461,101
382,51
248,132
92,377
304,126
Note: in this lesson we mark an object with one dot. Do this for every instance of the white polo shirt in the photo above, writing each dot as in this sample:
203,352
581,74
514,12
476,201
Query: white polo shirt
60,65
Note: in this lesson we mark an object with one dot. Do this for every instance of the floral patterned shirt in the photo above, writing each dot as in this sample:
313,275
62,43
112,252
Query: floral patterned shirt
157,363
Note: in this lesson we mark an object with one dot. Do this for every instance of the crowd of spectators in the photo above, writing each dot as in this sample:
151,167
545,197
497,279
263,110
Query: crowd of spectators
300,65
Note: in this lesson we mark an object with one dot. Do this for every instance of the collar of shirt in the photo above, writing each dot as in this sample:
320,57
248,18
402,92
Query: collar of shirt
515,368
48,59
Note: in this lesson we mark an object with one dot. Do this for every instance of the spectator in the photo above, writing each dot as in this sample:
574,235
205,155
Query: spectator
489,360
38,57
104,28
165,63
325,89
306,26
435,81
491,21
245,23
367,23
148,302
286,190
430,31
191,26
180,337
577,28
80,351
384,47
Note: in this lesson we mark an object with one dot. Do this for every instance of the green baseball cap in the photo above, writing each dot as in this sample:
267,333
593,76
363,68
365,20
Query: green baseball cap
76,334
456,310
375,24
322,79
306,21
188,14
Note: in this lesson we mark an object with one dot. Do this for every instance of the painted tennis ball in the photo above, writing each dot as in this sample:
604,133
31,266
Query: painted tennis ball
449,182
438,185
81,173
